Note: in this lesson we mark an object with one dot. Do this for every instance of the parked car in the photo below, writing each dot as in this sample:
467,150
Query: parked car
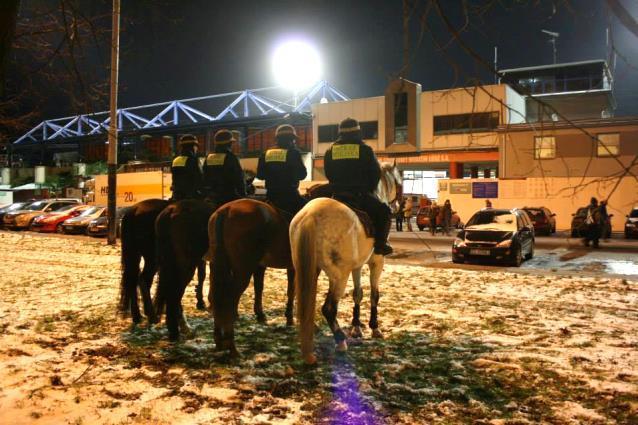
544,220
578,224
631,225
10,208
22,218
495,234
52,222
99,227
423,219
79,224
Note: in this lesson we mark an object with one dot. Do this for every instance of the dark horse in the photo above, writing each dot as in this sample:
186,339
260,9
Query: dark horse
245,237
138,241
182,242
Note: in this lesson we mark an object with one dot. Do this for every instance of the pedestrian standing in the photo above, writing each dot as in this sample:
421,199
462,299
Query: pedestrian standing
592,224
399,216
447,216
488,203
407,213
434,215
604,219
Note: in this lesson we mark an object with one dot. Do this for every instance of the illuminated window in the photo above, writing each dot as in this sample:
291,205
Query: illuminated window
544,147
608,144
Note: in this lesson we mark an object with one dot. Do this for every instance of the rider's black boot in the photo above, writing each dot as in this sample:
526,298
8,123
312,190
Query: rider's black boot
381,245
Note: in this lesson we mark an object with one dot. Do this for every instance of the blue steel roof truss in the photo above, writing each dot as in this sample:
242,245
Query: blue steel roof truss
251,103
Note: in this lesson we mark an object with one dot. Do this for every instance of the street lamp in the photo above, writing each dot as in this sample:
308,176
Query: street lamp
296,65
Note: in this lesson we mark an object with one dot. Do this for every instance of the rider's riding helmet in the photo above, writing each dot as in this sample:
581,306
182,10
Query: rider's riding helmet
224,137
349,129
187,140
286,135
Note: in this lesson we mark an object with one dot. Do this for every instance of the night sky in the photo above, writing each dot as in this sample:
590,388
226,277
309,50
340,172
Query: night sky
179,49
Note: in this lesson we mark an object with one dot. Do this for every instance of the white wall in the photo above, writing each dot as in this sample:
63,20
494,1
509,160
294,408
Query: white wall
562,195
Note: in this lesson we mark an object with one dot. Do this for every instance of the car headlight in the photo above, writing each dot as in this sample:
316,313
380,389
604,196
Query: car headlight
504,244
458,243
630,225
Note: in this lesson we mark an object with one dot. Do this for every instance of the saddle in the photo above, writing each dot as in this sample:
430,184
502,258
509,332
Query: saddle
325,191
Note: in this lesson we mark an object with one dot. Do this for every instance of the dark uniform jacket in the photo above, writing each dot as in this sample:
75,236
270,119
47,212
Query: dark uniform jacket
223,176
282,169
352,167
187,177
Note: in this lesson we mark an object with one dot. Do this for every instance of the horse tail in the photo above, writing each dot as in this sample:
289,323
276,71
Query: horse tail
305,263
221,270
164,257
130,262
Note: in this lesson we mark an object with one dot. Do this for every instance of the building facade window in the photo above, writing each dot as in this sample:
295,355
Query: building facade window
328,133
544,147
401,118
608,144
369,130
465,123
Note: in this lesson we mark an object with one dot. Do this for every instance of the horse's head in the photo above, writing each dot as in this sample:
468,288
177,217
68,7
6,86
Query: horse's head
390,188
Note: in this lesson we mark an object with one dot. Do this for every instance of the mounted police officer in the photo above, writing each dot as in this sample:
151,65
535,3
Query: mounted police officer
187,176
223,175
354,172
282,168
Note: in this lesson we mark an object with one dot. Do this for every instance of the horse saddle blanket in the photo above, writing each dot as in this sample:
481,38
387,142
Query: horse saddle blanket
364,217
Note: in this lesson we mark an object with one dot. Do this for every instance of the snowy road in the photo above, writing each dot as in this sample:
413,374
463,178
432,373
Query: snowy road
461,346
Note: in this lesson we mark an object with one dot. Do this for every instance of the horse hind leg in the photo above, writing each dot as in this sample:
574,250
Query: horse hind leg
258,282
199,289
291,297
376,267
329,310
145,283
357,296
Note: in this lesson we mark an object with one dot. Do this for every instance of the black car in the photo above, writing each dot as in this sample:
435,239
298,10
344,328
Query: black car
578,227
631,225
500,235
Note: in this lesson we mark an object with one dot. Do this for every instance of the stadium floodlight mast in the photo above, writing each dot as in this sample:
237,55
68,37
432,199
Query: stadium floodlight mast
296,65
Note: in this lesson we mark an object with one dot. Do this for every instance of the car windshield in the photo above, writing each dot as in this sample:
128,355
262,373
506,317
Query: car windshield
36,206
14,207
534,213
634,213
66,208
492,220
91,211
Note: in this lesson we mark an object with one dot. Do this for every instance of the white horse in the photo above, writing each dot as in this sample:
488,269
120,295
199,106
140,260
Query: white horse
327,235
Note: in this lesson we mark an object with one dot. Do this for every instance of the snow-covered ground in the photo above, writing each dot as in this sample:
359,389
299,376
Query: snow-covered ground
461,346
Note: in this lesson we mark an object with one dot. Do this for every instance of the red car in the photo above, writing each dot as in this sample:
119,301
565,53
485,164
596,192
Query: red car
52,222
544,220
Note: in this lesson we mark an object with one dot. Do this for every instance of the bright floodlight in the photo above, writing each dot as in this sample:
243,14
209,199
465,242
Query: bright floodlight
296,65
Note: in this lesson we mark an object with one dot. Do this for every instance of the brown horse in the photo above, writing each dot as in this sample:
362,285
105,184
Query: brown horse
138,242
245,237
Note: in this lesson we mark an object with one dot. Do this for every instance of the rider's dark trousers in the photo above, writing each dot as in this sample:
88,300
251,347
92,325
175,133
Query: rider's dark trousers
287,200
379,213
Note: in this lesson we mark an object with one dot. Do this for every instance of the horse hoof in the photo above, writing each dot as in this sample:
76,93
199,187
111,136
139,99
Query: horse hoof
376,333
261,318
342,347
173,337
234,354
201,305
290,322
310,359
355,332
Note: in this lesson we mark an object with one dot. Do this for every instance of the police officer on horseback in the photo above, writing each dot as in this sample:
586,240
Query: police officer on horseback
354,173
223,175
282,168
187,176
